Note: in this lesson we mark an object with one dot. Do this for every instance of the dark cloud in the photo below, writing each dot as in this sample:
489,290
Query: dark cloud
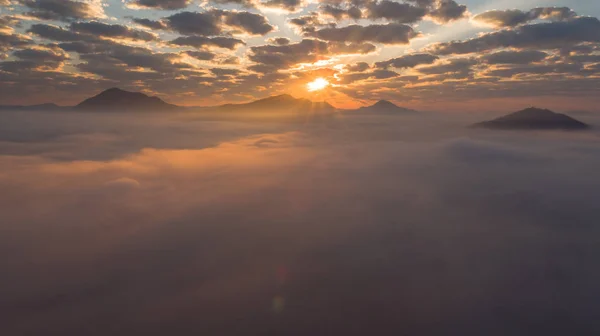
221,72
194,23
457,67
152,24
143,57
543,35
243,3
377,74
441,11
553,13
392,33
341,13
290,5
515,17
80,47
585,58
41,55
538,69
408,61
201,55
351,48
275,57
63,10
230,60
212,23
308,23
515,57
161,4
18,66
503,18
54,33
8,22
251,23
358,67
280,40
111,30
35,59
448,10
395,11
202,41
10,41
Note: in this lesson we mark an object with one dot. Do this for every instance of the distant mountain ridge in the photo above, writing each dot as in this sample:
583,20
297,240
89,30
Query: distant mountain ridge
117,99
280,103
533,119
384,107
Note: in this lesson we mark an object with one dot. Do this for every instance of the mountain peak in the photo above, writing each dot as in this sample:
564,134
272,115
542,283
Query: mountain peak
534,118
384,104
279,99
118,99
384,107
283,104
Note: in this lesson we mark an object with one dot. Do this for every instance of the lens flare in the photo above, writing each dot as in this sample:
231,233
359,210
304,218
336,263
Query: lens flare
317,84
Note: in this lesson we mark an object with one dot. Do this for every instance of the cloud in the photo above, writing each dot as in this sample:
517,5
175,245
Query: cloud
281,56
448,10
395,11
254,24
159,4
215,21
549,35
279,40
440,11
54,33
349,78
152,24
358,67
538,69
460,67
10,41
392,33
419,209
351,48
201,55
201,41
408,61
515,17
111,30
8,22
38,54
341,13
515,57
63,10
290,5
193,23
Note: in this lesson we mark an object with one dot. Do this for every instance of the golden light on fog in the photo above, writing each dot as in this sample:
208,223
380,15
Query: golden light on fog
318,84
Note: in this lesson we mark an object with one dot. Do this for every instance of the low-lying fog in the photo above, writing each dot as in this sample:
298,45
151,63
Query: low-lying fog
133,224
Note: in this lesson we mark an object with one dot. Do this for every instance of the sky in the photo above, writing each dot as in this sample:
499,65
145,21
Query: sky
464,55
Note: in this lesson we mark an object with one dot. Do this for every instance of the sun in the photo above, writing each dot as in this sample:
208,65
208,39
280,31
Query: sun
318,84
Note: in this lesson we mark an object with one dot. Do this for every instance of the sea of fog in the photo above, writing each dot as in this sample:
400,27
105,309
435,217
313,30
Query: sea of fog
176,224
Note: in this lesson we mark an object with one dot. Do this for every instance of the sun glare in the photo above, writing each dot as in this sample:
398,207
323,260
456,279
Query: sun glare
317,84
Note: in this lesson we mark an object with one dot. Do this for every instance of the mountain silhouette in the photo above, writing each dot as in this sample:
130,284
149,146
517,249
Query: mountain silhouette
121,100
282,104
384,107
534,119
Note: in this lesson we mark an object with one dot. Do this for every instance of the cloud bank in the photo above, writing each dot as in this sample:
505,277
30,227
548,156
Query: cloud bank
140,224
